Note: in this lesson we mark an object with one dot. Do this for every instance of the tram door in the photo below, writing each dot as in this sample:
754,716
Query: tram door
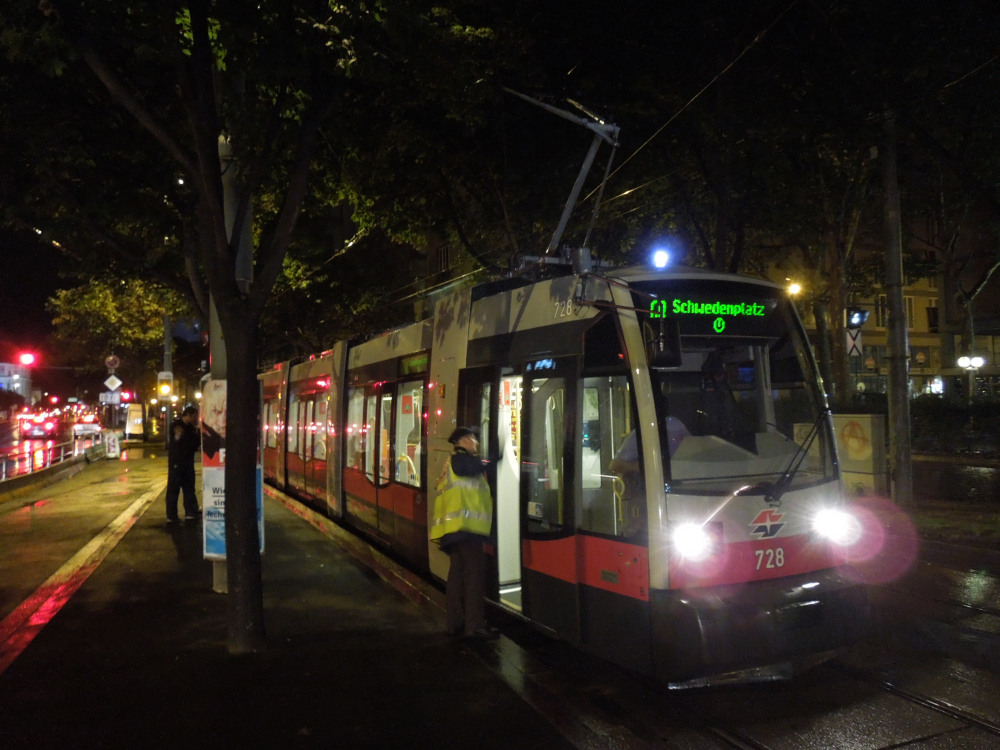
490,401
549,578
526,423
508,490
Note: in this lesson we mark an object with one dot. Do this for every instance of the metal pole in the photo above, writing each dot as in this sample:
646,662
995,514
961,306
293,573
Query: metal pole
899,347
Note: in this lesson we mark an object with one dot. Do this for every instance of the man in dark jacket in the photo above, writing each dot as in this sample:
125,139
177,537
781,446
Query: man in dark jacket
184,443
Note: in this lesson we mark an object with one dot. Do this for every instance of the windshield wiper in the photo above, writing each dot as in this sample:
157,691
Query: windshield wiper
773,491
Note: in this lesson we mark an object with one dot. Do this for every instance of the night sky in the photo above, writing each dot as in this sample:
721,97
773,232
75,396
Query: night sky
29,278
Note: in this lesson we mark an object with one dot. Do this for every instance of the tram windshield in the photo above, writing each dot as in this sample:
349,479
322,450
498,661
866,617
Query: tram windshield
738,397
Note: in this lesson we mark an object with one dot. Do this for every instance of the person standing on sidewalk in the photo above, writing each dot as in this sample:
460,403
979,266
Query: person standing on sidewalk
184,443
463,517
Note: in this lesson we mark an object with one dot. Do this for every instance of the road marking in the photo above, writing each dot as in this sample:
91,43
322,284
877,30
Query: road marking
21,626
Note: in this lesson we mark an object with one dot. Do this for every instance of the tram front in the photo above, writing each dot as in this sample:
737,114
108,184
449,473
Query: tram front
748,575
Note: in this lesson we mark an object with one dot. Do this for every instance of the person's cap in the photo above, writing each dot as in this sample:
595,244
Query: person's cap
459,433
189,410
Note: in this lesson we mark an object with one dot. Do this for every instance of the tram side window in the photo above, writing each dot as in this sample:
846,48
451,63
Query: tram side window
371,436
271,427
543,468
409,437
308,428
613,501
356,429
319,428
293,427
384,444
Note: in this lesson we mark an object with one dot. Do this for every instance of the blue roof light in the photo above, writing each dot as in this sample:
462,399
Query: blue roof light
661,258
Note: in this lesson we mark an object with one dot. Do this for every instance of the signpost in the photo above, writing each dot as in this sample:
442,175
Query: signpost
854,342
112,445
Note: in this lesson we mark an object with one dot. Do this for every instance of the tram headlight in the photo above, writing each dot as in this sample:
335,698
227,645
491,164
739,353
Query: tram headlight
838,526
695,541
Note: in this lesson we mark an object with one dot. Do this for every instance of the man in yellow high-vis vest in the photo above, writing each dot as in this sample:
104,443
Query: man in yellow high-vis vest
463,517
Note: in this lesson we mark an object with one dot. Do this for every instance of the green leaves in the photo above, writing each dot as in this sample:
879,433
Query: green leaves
113,315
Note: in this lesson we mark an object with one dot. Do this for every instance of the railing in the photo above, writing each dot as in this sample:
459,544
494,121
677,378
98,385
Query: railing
37,455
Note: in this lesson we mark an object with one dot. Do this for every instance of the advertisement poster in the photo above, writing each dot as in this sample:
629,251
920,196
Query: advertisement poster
213,473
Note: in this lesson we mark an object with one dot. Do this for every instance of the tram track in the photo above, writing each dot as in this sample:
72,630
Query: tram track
938,705
597,705
976,608
642,714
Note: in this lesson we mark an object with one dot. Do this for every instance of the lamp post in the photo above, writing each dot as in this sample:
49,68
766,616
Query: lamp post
971,364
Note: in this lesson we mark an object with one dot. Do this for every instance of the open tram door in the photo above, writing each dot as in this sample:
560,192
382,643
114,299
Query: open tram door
508,490
535,542
491,401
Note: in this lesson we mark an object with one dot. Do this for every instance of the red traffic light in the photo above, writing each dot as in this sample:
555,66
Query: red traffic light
27,358
126,396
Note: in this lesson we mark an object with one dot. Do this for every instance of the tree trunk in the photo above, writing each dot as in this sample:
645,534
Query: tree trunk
899,347
243,563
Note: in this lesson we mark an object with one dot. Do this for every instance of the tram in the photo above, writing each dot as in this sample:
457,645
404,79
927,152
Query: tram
667,491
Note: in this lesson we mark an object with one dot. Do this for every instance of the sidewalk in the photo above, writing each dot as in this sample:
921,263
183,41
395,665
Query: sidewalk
137,658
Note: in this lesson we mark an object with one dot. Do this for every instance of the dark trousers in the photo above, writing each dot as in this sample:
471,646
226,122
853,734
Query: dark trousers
466,587
181,477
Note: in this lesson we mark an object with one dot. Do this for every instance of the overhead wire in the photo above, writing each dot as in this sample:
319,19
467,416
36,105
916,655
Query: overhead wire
758,38
726,68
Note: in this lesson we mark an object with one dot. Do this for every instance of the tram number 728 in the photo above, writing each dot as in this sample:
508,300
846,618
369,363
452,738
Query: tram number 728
772,557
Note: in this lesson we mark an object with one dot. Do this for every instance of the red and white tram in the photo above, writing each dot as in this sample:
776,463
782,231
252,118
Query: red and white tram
667,488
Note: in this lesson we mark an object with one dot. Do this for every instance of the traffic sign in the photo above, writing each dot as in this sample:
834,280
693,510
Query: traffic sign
853,342
113,383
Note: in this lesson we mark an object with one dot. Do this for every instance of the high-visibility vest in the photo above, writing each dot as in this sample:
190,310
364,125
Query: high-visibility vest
462,504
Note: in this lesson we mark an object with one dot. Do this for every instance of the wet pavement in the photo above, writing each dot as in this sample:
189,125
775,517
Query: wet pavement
123,643
137,656
958,478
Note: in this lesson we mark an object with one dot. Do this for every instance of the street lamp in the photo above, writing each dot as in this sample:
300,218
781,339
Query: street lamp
971,364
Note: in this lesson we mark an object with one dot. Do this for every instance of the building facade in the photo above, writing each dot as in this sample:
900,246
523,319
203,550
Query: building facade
16,379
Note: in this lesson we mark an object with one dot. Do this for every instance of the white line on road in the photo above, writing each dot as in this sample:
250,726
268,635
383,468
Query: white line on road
21,626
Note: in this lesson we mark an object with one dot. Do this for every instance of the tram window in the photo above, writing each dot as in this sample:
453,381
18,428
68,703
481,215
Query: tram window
409,437
613,500
474,399
543,466
371,436
356,430
384,443
308,428
319,429
603,349
293,432
271,427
